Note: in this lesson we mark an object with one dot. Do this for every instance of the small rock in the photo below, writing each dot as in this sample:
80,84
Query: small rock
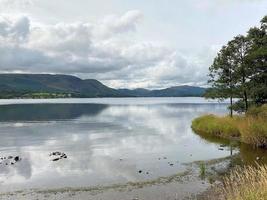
140,171
221,149
17,158
258,158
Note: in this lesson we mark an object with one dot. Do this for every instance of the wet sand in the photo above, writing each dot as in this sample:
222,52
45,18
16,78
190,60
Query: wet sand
186,185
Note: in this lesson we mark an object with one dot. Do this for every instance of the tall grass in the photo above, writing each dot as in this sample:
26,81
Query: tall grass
217,126
248,183
250,128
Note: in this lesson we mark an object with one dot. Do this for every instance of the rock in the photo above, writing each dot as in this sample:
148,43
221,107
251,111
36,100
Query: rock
258,158
140,171
16,158
171,164
10,157
57,155
221,149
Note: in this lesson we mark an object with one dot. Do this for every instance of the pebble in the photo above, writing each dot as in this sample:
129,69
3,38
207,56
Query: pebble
57,156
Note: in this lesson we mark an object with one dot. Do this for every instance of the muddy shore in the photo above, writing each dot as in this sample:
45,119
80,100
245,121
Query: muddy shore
190,184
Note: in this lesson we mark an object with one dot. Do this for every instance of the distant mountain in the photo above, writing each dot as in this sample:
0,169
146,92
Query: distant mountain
23,84
178,91
55,86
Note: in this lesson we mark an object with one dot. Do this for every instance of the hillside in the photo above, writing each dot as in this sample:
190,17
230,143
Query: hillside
55,86
23,84
178,91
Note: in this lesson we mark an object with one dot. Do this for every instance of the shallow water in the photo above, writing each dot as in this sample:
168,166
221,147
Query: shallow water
106,140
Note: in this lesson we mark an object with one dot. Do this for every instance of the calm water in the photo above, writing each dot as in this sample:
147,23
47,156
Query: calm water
106,140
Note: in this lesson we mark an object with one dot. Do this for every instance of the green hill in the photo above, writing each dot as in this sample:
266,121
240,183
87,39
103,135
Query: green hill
63,86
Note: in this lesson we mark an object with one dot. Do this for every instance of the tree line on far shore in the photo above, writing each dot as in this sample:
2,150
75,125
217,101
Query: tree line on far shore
240,70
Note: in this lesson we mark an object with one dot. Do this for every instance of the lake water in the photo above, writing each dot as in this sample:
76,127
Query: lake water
106,140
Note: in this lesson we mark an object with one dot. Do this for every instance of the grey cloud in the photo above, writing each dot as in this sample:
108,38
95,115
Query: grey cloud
112,57
17,30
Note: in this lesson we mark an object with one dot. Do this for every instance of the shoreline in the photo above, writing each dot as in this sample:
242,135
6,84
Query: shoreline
185,185
250,128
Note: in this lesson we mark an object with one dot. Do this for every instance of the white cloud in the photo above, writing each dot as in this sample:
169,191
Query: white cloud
106,50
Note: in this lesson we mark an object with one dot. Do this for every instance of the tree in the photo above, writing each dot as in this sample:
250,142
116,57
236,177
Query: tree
222,76
240,70
257,59
240,46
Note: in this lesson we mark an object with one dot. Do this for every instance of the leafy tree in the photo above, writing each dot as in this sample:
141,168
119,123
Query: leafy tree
257,59
222,76
240,70
240,46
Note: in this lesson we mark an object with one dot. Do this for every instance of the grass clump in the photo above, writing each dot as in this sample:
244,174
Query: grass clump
202,170
250,128
216,126
249,183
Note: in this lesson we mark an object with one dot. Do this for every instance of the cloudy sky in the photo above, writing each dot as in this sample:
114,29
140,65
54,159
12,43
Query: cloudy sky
123,43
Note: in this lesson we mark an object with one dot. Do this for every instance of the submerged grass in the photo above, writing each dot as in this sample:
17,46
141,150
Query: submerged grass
248,183
250,128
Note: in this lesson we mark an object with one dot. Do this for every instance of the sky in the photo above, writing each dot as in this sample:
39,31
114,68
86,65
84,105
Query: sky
122,43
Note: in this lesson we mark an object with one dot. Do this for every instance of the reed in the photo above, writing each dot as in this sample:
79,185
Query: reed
249,183
250,128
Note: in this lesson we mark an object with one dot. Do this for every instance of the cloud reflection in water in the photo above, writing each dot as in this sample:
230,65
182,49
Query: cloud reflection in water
104,143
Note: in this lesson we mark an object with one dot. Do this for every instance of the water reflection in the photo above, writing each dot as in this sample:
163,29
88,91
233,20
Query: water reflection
248,155
48,112
104,143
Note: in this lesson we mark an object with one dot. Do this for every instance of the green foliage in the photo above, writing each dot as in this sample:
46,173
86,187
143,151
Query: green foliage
240,69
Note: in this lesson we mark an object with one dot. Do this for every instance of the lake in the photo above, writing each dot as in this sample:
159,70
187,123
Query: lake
106,140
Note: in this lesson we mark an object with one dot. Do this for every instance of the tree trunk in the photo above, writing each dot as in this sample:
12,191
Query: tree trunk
245,92
246,100
231,106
